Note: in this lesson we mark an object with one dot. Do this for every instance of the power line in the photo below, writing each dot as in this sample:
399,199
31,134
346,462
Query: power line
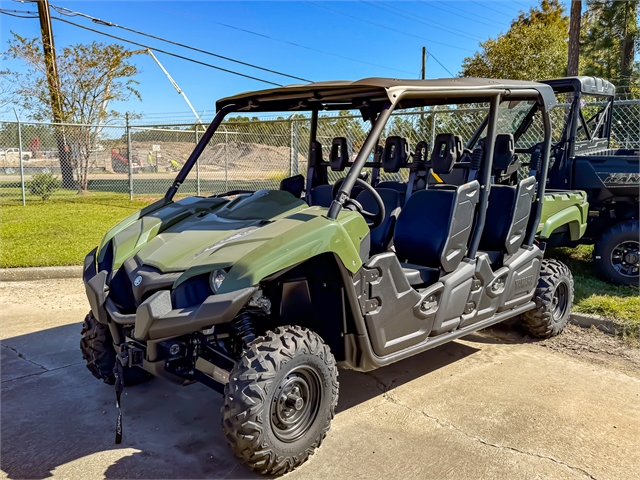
287,42
505,4
182,57
456,13
387,28
493,9
424,21
428,53
67,12
18,13
440,63
430,4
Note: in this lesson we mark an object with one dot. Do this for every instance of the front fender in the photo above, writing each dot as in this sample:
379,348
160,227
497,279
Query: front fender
315,236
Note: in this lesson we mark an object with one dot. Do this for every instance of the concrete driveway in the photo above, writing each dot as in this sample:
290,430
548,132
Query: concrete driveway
493,406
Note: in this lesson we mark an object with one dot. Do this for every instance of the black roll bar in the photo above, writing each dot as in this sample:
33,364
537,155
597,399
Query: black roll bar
313,133
202,144
361,159
542,180
485,175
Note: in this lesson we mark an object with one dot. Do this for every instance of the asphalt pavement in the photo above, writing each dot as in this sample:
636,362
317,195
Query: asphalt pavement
494,406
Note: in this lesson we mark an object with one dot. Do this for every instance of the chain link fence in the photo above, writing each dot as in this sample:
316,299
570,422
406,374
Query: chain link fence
42,160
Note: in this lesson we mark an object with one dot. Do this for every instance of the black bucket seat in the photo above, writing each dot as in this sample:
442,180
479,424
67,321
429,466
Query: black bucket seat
322,195
433,228
509,206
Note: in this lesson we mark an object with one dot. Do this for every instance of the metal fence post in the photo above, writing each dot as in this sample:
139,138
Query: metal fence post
129,157
433,126
24,201
293,161
197,168
226,160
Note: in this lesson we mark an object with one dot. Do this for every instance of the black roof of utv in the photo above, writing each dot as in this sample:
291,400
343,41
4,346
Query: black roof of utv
369,92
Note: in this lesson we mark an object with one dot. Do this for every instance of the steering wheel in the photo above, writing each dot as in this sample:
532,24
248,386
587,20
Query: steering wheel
373,219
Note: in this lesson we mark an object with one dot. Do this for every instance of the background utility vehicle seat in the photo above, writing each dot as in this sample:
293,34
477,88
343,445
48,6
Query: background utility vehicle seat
394,157
322,196
509,207
434,225
294,185
445,147
505,162
382,236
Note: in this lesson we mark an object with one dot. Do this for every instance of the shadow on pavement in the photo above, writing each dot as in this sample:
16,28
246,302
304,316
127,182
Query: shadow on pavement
55,412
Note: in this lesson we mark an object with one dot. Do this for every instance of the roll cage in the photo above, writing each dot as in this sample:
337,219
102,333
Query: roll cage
376,99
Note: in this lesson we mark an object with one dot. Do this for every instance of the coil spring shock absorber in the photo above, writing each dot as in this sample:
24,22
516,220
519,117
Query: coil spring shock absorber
243,325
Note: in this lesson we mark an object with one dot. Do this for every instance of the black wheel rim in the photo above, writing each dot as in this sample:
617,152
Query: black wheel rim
625,258
560,301
296,403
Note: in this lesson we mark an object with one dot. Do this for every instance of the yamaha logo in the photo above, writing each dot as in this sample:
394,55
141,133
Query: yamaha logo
137,281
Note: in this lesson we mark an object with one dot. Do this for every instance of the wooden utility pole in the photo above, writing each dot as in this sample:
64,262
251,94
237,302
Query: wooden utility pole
54,91
423,72
574,38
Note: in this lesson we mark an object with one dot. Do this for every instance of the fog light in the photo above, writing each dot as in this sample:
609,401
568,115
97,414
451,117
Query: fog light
216,279
174,349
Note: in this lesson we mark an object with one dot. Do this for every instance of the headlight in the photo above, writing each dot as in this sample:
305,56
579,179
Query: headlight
216,278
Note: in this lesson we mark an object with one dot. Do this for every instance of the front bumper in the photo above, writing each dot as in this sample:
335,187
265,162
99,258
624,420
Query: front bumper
155,318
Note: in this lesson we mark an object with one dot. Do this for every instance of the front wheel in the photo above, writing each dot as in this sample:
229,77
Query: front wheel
616,256
554,299
96,345
280,400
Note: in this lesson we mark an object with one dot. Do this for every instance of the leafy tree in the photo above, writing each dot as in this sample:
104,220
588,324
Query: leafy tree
90,77
534,47
610,40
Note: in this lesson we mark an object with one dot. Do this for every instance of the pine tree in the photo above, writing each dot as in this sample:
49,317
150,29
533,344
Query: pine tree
609,41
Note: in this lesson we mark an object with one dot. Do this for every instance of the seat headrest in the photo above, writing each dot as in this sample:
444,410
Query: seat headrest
503,152
315,154
446,151
395,154
339,156
459,145
294,185
422,149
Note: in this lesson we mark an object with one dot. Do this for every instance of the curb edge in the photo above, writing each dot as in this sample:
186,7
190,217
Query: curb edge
39,273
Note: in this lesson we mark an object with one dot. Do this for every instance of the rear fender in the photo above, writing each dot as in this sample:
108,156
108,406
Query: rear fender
574,217
564,208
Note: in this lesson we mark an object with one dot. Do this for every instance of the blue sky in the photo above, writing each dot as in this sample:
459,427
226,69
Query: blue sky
378,38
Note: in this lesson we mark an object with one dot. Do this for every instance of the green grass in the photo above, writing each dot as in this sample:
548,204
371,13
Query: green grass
61,230
593,296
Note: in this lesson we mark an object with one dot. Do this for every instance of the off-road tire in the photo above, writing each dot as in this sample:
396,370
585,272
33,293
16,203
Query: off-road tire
554,299
96,345
602,252
249,418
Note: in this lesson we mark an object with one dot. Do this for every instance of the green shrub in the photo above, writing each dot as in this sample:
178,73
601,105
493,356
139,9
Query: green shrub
43,185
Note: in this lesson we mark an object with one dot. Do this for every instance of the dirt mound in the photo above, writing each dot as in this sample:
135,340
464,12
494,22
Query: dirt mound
235,155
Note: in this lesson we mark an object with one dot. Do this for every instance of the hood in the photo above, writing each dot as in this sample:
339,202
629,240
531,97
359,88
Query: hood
204,231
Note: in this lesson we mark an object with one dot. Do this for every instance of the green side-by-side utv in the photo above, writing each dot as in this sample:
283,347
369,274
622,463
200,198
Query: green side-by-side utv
263,295
585,157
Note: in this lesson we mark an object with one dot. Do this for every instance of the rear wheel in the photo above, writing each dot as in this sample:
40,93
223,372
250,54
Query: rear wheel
616,254
554,299
280,400
97,350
